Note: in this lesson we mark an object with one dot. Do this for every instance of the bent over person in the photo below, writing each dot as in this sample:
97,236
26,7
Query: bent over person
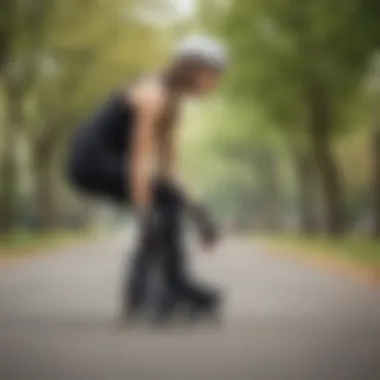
126,152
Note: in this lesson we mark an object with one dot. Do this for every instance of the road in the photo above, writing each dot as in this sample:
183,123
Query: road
284,320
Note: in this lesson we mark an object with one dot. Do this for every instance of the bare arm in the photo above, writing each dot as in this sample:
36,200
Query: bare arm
168,149
168,161
149,104
206,227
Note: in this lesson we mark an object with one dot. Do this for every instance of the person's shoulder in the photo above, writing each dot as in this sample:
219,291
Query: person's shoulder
149,92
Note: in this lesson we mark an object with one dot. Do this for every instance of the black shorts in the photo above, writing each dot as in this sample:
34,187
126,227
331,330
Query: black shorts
97,171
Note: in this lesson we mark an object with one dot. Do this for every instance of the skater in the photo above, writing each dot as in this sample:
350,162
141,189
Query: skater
126,152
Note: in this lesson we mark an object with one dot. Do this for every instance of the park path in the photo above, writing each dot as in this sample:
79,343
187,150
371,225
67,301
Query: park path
283,321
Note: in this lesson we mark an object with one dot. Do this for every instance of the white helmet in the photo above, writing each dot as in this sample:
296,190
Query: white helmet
203,48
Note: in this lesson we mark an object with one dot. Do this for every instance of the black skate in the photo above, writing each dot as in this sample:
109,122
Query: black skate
208,309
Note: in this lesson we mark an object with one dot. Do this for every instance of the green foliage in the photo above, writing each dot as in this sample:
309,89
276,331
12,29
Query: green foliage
363,252
292,48
298,69
58,59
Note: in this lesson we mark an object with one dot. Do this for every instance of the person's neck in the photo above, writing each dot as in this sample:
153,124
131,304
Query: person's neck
173,83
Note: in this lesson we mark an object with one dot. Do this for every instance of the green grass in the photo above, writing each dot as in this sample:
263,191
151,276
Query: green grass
360,250
23,243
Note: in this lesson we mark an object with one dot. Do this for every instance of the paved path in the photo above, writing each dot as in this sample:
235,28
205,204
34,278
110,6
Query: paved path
284,321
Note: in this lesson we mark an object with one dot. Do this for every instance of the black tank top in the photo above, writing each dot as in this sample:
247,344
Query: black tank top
112,125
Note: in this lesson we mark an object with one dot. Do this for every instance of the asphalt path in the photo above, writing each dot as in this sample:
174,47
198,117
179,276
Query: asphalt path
283,320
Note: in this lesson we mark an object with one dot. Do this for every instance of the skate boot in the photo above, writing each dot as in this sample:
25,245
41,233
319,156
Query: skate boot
205,304
133,303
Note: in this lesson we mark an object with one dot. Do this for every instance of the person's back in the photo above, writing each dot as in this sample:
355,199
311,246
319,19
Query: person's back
108,135
112,126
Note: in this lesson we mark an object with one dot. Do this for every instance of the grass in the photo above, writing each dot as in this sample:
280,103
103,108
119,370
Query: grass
24,243
357,250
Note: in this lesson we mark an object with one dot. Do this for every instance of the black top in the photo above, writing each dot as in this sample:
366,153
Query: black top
112,125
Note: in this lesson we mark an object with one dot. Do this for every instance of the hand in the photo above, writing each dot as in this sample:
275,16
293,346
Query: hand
207,228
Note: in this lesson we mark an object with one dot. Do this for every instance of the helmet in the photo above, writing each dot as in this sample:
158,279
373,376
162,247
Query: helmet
204,49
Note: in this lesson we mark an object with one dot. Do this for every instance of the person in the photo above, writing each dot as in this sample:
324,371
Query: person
127,152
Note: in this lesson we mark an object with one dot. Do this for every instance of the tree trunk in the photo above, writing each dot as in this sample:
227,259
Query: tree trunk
46,201
8,165
7,12
376,181
307,201
8,181
269,187
332,188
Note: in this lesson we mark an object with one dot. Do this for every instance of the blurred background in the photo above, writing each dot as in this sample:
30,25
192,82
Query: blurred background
291,143
286,155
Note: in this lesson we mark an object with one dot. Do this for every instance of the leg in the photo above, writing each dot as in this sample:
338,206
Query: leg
135,282
174,265
97,171
136,285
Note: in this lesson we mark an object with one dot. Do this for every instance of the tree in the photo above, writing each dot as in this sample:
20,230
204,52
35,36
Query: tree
373,95
314,57
22,29
114,41
52,55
